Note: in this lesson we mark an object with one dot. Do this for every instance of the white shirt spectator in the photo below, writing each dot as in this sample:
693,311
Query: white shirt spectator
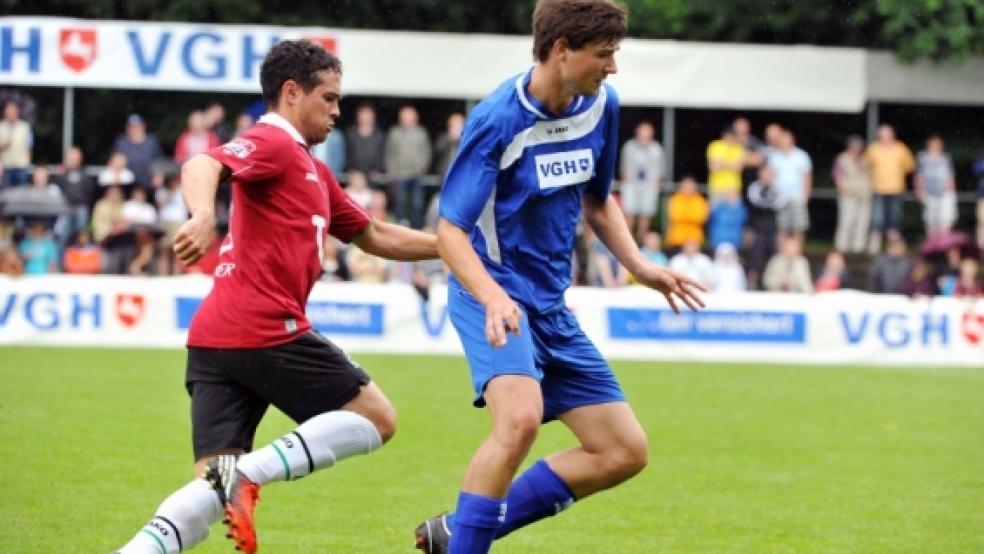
139,213
697,266
728,275
789,168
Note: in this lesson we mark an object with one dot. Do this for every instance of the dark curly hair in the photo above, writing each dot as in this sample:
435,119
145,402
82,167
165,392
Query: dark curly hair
294,60
578,21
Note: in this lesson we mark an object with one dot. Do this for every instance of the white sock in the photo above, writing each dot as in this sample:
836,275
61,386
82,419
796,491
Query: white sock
180,523
318,442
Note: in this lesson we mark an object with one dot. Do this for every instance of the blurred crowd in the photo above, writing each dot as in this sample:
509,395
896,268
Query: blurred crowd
743,230
748,231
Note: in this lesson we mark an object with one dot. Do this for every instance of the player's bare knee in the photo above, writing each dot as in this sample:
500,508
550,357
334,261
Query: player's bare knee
628,458
519,428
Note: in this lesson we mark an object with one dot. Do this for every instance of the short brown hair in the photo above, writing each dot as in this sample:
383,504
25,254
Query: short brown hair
578,21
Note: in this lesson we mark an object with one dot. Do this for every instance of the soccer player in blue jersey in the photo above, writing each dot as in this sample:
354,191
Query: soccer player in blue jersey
534,155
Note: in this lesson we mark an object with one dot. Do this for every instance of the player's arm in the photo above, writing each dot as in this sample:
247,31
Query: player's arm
607,221
200,178
395,242
502,315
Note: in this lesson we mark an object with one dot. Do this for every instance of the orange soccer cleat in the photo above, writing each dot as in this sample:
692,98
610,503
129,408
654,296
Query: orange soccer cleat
239,496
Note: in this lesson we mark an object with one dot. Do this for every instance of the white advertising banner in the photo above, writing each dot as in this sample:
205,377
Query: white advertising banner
629,323
63,52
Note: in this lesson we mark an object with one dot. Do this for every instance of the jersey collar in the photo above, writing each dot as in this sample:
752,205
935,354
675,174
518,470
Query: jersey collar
533,105
277,120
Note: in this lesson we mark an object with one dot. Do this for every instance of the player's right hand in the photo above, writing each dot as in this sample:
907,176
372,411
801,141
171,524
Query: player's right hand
194,238
502,315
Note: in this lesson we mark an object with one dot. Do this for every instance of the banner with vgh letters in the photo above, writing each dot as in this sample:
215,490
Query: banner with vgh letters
627,323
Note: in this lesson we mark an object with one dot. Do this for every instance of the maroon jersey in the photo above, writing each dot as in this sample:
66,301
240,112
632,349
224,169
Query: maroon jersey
284,202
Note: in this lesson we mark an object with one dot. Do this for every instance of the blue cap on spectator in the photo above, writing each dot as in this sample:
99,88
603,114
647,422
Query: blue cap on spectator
134,119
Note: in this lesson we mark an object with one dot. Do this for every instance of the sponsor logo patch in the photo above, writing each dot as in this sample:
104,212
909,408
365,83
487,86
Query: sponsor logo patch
563,169
239,148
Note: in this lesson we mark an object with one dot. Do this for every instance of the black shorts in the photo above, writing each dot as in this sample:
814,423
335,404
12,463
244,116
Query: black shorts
231,388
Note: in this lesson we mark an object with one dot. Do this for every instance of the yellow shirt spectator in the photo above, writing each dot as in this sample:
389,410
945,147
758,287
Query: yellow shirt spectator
725,159
889,165
686,214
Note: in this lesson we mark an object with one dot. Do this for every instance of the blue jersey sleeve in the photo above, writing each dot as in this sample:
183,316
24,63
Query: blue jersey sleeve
601,183
472,175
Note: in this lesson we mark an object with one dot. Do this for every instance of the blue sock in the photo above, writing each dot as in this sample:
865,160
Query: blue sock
534,495
475,520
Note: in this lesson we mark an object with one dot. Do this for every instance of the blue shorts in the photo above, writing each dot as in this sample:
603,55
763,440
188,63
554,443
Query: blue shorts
551,348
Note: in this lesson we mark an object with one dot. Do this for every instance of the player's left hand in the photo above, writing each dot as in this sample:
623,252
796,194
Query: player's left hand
674,286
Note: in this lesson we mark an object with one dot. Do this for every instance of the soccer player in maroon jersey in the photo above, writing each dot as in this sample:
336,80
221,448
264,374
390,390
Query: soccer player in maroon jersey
250,344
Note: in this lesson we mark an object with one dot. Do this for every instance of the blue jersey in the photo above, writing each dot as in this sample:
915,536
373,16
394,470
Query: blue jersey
517,182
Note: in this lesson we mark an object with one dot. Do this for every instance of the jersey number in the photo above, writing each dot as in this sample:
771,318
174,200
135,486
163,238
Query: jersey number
320,224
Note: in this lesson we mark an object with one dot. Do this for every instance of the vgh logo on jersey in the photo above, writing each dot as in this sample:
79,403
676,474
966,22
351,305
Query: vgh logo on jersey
562,169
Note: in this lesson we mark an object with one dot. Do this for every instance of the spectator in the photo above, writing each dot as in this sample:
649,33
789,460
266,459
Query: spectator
366,268
754,157
889,161
7,230
16,142
610,273
693,263
137,210
788,271
728,275
936,187
41,180
642,169
332,268
446,145
140,149
978,170
834,275
727,220
919,282
196,139
11,263
78,189
948,272
378,209
890,269
144,251
686,215
853,197
83,256
365,146
358,189
969,284
243,123
408,156
725,160
172,213
652,248
116,172
107,214
773,132
215,122
38,249
793,178
764,204
332,152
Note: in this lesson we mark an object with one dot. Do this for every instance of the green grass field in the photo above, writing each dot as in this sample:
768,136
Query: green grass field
744,459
